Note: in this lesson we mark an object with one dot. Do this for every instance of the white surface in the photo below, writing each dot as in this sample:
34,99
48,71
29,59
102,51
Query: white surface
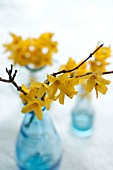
77,25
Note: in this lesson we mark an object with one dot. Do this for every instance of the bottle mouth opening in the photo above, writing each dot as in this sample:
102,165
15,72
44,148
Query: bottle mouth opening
33,69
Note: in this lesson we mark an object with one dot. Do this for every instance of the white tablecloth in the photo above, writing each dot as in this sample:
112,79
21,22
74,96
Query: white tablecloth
77,25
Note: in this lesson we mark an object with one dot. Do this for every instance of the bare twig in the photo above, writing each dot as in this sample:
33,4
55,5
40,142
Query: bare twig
11,79
83,75
67,71
90,73
108,72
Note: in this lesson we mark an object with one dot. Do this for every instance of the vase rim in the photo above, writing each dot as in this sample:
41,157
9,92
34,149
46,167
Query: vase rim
32,112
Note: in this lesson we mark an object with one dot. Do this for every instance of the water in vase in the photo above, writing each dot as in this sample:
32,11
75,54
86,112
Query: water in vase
82,116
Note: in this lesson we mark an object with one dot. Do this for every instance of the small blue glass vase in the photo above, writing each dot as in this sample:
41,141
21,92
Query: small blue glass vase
82,115
38,144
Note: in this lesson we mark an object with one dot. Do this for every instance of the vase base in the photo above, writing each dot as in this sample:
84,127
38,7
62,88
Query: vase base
80,133
55,167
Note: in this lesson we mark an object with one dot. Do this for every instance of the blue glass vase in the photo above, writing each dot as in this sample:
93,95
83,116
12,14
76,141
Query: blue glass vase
38,144
82,115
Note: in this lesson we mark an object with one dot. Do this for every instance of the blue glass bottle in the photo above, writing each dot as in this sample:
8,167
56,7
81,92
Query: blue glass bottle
38,145
82,115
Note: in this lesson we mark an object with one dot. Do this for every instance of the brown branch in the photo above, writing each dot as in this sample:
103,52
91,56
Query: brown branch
82,75
19,88
107,72
67,71
89,73
11,79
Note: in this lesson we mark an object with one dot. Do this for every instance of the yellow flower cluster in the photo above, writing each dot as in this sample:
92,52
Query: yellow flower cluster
38,52
97,67
42,94
99,62
63,83
35,51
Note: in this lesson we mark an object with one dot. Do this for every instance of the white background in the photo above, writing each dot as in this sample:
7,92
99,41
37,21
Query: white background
78,26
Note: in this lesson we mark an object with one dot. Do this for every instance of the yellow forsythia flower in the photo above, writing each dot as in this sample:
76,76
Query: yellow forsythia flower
47,101
100,63
103,53
33,104
35,51
22,96
42,88
96,81
63,84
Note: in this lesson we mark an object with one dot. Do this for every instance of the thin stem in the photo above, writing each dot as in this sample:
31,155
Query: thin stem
67,71
31,119
107,72
89,73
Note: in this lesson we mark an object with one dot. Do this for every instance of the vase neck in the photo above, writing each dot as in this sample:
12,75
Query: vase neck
31,120
83,95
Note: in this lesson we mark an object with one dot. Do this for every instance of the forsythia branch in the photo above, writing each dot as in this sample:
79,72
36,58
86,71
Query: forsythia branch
55,87
11,79
107,72
67,71
89,73
19,88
